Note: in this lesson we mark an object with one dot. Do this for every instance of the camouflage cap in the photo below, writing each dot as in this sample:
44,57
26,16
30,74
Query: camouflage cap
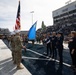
17,31
13,33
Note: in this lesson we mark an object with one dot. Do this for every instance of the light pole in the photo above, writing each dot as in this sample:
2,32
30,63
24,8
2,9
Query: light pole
32,15
32,12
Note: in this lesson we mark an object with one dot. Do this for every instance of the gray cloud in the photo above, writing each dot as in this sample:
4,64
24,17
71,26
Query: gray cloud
8,10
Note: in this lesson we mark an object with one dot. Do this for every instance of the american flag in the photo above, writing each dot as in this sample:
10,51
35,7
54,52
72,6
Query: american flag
18,25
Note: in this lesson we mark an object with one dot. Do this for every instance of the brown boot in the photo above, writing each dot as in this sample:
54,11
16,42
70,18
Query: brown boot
20,67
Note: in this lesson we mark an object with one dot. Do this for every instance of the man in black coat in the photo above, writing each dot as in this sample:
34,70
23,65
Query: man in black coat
48,43
53,44
60,39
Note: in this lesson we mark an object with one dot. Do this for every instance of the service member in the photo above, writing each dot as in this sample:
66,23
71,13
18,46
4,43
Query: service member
12,45
18,49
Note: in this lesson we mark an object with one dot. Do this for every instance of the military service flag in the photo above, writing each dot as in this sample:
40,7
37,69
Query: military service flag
32,32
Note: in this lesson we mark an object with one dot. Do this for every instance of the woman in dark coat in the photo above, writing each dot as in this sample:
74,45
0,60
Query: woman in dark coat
72,48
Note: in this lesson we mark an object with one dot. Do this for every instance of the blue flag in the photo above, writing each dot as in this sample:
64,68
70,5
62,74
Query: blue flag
32,32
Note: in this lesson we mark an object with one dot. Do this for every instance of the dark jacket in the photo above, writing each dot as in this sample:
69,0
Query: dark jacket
47,40
72,44
59,43
53,40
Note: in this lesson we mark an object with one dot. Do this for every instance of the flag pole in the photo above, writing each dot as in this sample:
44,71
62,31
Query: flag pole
32,12
13,29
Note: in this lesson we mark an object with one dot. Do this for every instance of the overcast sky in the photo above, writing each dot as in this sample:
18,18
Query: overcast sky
42,12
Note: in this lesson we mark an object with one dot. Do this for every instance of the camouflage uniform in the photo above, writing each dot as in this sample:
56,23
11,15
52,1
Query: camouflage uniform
18,47
12,47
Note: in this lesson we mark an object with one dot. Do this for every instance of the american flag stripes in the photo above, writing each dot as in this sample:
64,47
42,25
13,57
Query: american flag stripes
18,25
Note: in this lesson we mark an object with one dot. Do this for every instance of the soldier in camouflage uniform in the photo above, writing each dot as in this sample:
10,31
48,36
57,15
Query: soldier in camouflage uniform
12,45
18,50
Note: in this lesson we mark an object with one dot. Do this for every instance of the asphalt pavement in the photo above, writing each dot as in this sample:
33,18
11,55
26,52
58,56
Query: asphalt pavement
35,60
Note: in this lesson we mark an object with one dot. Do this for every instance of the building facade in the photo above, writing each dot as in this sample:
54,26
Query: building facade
65,16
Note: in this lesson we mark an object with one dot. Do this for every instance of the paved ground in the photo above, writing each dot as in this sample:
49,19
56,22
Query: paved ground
36,62
6,64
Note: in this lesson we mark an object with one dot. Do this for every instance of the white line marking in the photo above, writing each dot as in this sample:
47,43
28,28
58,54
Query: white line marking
35,58
36,52
44,56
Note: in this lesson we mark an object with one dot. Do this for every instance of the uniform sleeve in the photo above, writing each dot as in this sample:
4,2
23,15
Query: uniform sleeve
19,42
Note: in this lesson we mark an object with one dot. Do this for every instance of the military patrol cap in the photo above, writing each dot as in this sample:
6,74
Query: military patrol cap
17,31
13,33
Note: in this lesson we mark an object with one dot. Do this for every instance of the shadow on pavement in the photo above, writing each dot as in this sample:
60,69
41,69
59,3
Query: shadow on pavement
42,67
7,67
